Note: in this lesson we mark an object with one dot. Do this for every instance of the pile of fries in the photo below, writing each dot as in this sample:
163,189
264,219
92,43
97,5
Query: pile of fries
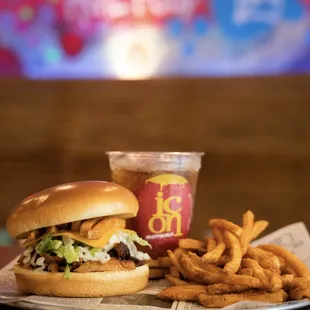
225,268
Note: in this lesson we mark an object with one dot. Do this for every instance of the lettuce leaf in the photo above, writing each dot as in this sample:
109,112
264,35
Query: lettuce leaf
68,252
43,245
93,251
133,236
53,245
67,273
47,244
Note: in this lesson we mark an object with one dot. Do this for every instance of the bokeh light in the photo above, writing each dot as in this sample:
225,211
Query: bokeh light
174,26
220,37
135,54
200,25
25,13
188,49
52,54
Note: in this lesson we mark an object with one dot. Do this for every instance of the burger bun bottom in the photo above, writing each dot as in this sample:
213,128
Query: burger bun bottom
90,284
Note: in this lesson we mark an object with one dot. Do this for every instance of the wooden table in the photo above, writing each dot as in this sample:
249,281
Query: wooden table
10,252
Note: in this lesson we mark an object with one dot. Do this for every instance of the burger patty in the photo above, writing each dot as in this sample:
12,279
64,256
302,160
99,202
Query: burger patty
120,251
112,265
53,259
120,260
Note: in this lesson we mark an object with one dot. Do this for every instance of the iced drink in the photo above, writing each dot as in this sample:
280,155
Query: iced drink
165,186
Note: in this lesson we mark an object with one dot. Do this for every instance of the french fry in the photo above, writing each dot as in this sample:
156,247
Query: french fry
195,258
258,228
165,261
87,225
218,234
221,301
226,225
275,282
23,236
33,235
300,283
258,271
174,272
292,260
223,260
191,244
158,273
52,229
192,269
289,270
287,281
235,253
182,292
103,226
213,276
220,288
174,280
201,251
214,255
246,272
153,263
198,261
266,259
174,256
290,282
178,252
211,244
248,220
284,268
299,293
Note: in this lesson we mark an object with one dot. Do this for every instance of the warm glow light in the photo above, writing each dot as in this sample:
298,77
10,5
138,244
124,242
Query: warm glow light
135,54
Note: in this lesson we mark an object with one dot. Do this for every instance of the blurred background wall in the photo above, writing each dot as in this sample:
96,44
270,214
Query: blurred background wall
229,80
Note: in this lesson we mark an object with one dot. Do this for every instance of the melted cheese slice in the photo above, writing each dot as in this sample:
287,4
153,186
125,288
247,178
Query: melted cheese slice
98,243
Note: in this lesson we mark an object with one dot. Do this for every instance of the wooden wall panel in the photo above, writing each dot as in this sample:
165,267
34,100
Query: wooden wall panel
221,115
255,132
21,177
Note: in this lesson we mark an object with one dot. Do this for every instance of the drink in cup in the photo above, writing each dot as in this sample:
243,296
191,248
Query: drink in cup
165,185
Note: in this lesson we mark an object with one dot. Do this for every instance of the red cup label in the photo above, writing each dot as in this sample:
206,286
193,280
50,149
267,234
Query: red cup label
165,211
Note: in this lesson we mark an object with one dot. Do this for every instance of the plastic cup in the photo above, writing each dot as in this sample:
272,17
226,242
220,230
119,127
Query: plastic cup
165,186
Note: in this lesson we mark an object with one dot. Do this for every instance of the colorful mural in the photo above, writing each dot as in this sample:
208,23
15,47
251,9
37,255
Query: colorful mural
130,39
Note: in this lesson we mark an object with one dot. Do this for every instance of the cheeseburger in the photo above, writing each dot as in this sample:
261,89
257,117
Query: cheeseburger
76,242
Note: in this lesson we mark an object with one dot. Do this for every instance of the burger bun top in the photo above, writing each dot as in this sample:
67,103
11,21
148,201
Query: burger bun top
71,202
